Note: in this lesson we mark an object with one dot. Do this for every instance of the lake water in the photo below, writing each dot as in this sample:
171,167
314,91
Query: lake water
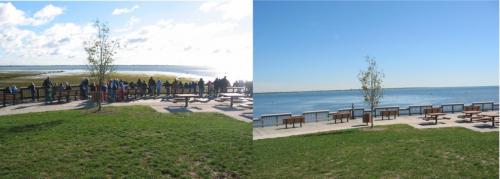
298,102
187,71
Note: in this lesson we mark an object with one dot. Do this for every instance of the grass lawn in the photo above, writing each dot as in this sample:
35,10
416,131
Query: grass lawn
399,151
124,141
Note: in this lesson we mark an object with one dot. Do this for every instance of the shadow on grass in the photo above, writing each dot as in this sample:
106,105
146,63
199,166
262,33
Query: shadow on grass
433,123
227,108
485,126
338,132
176,109
248,115
30,127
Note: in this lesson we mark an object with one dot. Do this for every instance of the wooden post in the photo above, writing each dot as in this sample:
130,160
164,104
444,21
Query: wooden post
22,95
37,94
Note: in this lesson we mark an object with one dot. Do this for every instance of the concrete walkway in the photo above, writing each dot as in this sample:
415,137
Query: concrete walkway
324,126
159,105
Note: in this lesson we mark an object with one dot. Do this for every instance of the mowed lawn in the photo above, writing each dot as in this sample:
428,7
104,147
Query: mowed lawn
124,142
399,151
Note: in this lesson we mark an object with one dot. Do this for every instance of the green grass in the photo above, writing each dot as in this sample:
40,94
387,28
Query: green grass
10,75
399,151
24,79
124,142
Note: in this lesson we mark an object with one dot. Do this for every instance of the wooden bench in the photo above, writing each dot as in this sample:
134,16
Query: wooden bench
470,108
432,110
341,116
292,120
389,113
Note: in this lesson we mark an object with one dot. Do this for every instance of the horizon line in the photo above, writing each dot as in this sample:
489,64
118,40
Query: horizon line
351,89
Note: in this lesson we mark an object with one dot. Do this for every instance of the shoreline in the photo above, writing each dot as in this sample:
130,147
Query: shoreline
397,88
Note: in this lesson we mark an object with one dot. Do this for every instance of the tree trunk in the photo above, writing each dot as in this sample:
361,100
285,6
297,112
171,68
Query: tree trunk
99,96
371,115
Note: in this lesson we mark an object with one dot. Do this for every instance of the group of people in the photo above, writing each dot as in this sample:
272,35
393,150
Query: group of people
115,89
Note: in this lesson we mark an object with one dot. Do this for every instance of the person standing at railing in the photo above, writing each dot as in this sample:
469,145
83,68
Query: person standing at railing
158,87
194,86
201,86
186,87
8,90
121,90
144,87
47,88
93,91
151,85
104,89
86,88
32,89
175,86
225,84
167,88
210,86
181,87
67,86
216,87
114,89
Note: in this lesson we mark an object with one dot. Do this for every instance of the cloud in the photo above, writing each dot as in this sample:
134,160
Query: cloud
120,11
47,14
11,16
216,43
229,9
130,24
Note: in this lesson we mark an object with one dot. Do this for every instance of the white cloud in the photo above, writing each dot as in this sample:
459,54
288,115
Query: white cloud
229,9
55,45
120,11
48,13
11,16
130,24
165,42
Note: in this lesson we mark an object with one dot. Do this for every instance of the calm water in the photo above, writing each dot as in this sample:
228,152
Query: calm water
185,70
298,102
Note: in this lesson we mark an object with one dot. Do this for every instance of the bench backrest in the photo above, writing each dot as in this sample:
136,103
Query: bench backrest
472,108
294,119
339,115
389,112
432,110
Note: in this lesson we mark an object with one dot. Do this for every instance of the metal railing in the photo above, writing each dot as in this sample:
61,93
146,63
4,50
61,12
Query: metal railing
323,115
485,106
24,95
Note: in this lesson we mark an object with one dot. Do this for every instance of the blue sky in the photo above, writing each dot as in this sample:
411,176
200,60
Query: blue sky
302,46
203,33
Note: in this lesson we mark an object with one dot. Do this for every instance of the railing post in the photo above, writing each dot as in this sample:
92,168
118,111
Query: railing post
3,99
22,95
37,94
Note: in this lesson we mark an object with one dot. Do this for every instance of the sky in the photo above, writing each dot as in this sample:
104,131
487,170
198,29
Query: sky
215,34
303,46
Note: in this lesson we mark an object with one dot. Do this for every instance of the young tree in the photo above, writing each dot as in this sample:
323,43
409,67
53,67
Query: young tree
371,84
101,51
